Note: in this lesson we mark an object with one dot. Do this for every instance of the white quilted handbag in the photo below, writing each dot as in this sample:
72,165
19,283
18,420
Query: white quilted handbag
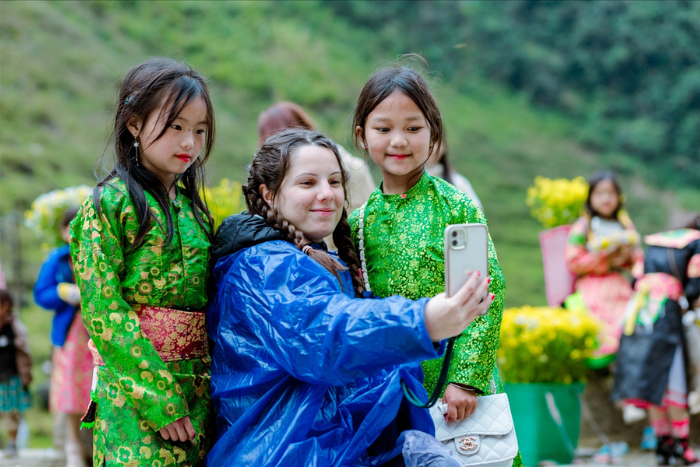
485,438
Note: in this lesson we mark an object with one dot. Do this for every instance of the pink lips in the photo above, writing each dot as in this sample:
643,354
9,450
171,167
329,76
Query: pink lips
184,157
398,156
324,212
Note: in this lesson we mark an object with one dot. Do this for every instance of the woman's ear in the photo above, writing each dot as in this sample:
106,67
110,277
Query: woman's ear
267,194
134,126
360,136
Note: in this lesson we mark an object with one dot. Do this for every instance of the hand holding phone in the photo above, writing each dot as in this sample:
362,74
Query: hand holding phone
449,316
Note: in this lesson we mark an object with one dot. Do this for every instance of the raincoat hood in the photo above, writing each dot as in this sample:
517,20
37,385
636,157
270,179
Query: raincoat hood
242,231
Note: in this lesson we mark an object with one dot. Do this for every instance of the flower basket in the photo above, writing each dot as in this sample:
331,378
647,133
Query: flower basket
555,202
542,357
545,344
547,419
46,211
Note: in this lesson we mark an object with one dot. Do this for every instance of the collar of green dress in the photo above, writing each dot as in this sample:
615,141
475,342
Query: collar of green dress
419,188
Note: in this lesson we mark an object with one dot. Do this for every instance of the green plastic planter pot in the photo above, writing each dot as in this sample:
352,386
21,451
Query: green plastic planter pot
547,419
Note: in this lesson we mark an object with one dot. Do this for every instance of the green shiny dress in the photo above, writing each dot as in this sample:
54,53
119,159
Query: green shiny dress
137,393
404,251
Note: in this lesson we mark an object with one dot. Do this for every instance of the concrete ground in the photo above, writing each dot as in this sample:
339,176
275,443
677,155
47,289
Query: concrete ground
34,458
49,458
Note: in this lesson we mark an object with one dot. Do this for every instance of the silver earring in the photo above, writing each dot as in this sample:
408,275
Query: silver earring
136,150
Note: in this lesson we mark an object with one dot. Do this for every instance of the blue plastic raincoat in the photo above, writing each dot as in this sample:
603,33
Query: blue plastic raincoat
303,374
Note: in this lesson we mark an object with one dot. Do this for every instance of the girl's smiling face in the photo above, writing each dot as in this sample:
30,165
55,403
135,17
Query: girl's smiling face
311,196
397,136
605,199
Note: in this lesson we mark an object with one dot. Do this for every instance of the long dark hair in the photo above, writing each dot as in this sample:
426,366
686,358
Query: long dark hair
445,161
399,77
167,86
593,181
269,168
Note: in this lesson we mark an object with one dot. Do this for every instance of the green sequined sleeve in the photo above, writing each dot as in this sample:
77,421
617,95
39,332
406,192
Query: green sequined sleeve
101,268
474,358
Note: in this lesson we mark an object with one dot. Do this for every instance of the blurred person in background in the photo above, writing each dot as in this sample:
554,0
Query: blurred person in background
439,165
285,115
603,244
651,364
72,364
15,371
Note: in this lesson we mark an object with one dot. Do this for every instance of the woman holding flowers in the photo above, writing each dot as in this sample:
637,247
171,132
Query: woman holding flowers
602,245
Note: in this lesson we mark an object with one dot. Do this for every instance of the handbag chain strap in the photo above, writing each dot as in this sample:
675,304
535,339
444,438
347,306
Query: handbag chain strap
361,235
442,378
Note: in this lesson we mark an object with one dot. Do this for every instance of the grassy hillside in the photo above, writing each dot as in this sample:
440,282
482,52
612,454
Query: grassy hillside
61,61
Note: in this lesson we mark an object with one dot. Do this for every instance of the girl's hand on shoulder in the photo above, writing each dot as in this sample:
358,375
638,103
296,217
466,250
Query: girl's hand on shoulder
461,403
179,430
448,317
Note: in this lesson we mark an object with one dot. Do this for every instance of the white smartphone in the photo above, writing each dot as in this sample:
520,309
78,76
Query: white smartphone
466,250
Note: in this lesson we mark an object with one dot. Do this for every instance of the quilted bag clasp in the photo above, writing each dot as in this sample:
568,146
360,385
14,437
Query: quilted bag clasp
468,444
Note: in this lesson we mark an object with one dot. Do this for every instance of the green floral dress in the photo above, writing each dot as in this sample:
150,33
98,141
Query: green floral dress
404,252
137,393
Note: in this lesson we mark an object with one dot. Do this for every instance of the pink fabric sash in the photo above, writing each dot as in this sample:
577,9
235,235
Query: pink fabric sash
176,335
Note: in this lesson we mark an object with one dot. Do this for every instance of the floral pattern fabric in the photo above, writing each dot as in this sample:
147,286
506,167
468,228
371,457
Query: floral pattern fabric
71,373
114,278
404,251
604,290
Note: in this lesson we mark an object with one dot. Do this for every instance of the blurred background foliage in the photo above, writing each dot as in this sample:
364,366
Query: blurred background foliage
556,89
627,72
526,88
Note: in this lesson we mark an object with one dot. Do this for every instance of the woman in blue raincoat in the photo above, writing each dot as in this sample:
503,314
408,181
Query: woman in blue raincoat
304,372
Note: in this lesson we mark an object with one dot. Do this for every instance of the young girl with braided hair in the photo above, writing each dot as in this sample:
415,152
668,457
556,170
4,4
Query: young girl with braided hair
304,372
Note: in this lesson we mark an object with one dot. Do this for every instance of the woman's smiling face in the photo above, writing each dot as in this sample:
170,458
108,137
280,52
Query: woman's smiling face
311,196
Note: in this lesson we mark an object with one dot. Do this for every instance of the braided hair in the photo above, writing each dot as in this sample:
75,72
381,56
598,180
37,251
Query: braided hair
269,167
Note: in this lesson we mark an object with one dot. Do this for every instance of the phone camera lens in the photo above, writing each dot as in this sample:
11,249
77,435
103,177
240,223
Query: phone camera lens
454,242
454,233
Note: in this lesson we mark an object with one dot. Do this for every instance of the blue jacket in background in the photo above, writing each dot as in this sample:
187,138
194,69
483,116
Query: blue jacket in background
303,374
56,269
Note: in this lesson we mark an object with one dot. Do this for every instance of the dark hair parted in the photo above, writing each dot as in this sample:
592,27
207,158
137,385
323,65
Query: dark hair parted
165,86
281,116
593,181
399,77
269,167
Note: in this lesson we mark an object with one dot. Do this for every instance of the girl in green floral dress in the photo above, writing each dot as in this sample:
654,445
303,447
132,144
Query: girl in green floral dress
140,246
397,122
